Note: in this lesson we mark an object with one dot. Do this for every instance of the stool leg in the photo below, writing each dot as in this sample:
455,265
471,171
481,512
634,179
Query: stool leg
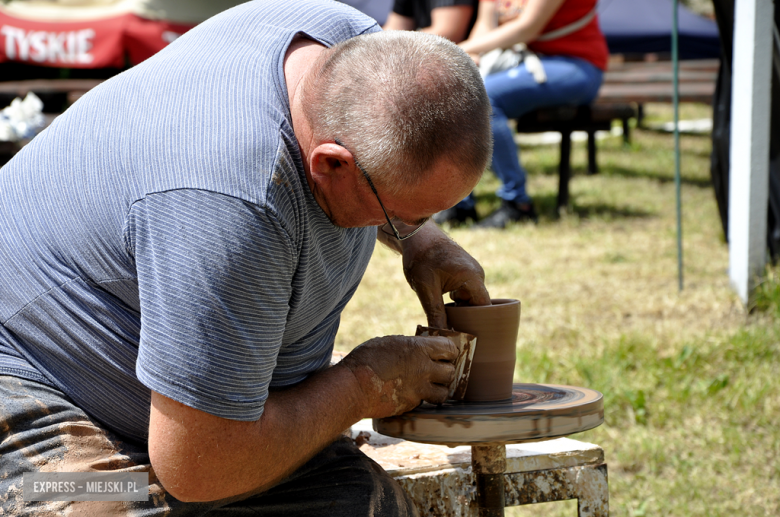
593,167
626,132
593,488
490,495
488,463
564,171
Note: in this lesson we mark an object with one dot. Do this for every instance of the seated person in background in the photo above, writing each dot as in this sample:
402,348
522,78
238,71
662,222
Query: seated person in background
452,19
573,53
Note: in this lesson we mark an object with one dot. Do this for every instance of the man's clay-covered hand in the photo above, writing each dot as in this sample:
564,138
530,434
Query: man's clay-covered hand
437,265
396,373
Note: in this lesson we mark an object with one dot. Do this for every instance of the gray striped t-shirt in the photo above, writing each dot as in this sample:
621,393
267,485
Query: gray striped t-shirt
160,234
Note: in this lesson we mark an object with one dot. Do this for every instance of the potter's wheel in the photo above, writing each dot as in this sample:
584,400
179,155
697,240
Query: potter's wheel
535,412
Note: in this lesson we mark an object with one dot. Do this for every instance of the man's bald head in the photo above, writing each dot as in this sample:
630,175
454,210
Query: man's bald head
401,101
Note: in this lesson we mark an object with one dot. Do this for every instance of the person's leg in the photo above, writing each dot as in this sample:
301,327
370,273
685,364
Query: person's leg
465,209
570,81
513,93
41,430
340,480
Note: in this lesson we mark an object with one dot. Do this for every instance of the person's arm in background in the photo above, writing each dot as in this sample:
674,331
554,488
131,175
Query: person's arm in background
451,22
487,19
401,17
525,28
396,22
448,21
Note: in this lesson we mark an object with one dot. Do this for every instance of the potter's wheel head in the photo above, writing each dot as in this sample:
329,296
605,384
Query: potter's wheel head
534,412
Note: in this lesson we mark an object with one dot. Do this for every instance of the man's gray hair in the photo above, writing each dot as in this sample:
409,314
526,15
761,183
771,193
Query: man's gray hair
400,101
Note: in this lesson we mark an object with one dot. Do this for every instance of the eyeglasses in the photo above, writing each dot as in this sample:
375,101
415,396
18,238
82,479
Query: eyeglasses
395,233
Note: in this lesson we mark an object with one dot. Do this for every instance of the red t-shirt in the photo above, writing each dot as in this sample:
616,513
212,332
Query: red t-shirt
588,43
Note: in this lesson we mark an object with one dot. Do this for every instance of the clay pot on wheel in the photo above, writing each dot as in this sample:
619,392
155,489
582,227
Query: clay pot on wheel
493,366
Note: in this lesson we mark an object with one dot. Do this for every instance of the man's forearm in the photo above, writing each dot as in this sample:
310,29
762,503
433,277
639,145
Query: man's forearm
212,458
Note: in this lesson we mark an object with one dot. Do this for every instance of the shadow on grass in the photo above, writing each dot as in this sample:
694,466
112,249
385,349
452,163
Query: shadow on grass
625,172
551,170
660,177
612,154
547,207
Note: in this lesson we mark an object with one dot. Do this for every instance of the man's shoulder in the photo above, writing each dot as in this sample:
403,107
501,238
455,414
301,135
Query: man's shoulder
326,20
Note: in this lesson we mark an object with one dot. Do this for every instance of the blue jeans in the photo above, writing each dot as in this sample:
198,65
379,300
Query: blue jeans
513,93
42,430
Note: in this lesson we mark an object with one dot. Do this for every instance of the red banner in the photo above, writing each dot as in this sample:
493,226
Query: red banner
143,37
97,43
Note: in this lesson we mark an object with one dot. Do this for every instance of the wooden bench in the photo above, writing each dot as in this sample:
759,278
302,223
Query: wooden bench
651,81
627,87
566,120
641,93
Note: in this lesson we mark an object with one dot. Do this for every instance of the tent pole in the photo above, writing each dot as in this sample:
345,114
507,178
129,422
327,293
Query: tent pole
677,181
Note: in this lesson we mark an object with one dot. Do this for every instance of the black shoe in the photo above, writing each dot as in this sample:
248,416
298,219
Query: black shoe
455,216
509,212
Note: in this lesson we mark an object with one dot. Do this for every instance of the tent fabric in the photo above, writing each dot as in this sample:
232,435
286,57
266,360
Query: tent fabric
645,26
96,33
721,131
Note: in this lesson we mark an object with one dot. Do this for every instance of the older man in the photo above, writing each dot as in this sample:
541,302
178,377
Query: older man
176,250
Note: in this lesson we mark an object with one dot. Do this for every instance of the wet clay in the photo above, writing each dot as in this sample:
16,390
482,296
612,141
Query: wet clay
493,365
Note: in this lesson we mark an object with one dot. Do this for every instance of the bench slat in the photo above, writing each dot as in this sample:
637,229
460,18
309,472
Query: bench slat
655,92
711,65
660,76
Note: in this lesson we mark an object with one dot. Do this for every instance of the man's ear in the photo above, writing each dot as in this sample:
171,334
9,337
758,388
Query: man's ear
329,162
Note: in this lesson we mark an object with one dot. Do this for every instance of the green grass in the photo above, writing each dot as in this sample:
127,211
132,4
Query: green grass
690,431
692,410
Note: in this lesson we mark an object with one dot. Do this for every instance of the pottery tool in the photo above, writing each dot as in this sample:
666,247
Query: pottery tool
466,344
